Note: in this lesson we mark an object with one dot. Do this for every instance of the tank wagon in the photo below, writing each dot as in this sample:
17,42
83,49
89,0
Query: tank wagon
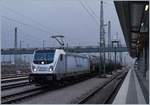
56,65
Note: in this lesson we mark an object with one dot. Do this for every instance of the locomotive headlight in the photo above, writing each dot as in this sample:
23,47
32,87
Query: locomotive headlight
42,62
51,68
34,69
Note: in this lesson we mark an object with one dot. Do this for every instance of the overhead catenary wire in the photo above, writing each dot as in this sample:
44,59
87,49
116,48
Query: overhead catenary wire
92,16
20,14
88,6
27,34
31,37
109,3
11,19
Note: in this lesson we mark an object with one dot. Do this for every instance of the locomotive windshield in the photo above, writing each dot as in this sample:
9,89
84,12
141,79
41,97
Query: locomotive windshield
43,57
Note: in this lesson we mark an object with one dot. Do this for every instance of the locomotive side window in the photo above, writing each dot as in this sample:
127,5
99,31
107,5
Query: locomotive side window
61,57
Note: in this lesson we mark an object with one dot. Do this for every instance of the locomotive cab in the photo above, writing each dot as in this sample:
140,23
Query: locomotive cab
43,61
42,65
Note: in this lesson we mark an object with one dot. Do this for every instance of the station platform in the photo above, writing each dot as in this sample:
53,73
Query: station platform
130,91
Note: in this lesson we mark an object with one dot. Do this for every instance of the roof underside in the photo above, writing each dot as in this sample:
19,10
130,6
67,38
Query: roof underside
134,21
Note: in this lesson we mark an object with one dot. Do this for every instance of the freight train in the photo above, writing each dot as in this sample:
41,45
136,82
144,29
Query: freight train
56,65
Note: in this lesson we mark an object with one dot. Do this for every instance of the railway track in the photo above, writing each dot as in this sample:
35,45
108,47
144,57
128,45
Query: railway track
103,94
14,85
115,81
10,83
14,79
15,97
116,86
14,75
12,98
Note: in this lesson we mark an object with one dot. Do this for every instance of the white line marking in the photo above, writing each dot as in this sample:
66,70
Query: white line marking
122,94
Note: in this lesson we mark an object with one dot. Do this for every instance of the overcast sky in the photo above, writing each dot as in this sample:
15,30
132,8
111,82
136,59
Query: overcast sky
37,20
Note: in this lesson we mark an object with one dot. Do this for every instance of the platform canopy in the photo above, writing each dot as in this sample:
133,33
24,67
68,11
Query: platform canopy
134,21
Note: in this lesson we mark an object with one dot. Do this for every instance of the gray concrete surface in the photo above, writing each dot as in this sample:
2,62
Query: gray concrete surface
130,91
67,94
